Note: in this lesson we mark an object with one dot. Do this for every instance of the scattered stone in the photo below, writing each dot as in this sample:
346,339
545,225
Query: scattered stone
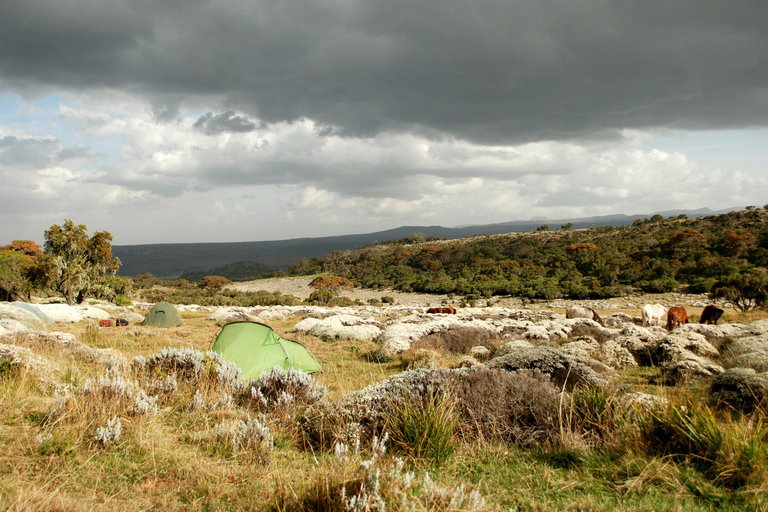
510,347
466,362
423,359
687,366
480,353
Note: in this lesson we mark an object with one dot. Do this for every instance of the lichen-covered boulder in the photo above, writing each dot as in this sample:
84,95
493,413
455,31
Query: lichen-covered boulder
341,327
758,361
423,359
584,347
227,315
466,362
686,341
511,346
685,366
480,353
747,345
619,320
741,388
615,356
564,370
714,334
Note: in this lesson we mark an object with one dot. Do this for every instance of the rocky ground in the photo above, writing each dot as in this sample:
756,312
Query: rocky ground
299,288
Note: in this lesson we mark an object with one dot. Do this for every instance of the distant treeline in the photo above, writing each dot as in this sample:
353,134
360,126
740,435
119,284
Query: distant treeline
234,271
653,255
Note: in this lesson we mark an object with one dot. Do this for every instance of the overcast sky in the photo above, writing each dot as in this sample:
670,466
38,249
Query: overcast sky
231,120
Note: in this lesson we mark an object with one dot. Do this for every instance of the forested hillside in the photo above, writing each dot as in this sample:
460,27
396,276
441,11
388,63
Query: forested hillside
655,255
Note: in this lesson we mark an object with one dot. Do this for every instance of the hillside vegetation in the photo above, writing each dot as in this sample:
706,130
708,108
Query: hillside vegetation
658,255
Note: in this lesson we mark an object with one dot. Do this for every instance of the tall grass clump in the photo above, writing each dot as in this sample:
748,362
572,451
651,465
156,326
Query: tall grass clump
424,428
354,481
596,413
731,450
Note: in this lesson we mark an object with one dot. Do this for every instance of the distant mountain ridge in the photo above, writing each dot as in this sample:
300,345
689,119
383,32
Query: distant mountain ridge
169,261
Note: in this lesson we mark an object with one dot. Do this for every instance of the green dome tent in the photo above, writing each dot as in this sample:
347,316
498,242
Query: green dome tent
162,314
255,348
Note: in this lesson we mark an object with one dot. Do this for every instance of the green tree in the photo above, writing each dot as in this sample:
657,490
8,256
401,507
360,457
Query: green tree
13,279
745,291
78,263
567,226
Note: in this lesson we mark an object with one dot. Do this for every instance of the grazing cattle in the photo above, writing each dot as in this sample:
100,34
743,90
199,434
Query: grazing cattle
105,323
580,312
450,311
711,315
653,314
676,316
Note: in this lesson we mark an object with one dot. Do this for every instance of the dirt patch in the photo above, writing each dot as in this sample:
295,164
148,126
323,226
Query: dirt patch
299,288
631,304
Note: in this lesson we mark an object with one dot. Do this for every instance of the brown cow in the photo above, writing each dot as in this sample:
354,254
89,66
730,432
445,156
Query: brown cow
711,315
450,311
676,316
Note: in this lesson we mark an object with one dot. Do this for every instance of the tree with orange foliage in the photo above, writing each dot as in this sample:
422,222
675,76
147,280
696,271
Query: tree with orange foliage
582,248
333,284
214,283
25,247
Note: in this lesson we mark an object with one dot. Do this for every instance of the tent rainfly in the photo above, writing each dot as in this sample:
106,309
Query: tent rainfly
256,348
162,314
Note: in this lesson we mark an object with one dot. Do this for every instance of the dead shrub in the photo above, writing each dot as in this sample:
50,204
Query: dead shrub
459,340
520,407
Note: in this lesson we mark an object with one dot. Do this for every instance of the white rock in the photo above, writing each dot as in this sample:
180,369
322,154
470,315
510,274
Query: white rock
480,352
63,313
27,318
8,325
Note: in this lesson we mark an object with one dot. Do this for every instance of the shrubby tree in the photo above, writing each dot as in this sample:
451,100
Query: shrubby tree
13,278
745,291
79,264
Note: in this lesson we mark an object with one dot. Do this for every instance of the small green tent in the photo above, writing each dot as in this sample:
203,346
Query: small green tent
255,348
162,314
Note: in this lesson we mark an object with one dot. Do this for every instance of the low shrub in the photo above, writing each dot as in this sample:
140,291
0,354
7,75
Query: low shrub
521,407
458,340
122,300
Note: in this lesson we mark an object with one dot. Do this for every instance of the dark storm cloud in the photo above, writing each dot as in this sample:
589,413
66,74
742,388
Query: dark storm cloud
213,124
493,71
